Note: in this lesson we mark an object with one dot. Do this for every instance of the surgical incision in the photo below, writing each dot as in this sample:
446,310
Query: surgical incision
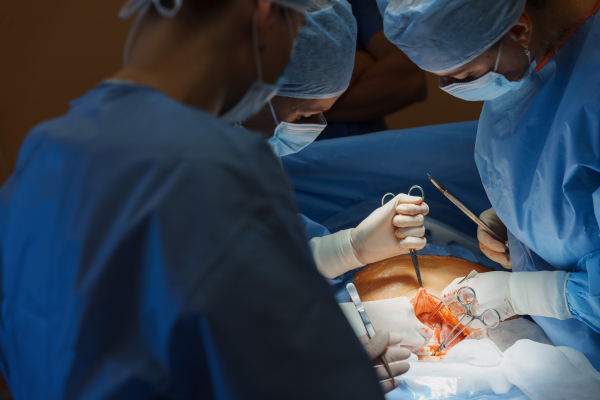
441,323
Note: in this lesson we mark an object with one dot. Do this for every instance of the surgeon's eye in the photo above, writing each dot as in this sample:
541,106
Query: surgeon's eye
469,78
450,80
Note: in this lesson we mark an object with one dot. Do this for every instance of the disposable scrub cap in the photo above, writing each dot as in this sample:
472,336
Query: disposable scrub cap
133,6
442,35
324,57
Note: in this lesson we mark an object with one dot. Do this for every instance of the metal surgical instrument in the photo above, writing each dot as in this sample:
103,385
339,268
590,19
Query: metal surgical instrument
466,297
470,214
472,274
413,252
368,325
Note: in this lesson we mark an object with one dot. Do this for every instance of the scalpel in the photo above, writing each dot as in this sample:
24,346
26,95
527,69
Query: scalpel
464,209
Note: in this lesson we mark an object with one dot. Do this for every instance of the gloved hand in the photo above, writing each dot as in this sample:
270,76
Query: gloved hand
492,290
391,230
395,315
379,345
514,293
493,249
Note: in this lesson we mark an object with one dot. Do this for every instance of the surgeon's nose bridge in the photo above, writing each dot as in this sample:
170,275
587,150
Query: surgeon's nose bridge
313,119
448,80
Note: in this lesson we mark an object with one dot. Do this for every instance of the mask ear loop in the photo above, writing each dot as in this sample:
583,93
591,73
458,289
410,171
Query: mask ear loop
288,20
273,113
255,42
498,58
145,6
130,8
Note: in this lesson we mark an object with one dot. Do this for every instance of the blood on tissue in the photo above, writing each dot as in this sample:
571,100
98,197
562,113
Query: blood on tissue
441,324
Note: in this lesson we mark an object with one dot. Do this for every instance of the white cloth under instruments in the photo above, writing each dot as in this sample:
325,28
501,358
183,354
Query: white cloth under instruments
474,367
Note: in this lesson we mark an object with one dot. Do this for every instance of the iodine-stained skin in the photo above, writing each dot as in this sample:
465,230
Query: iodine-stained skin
396,277
441,323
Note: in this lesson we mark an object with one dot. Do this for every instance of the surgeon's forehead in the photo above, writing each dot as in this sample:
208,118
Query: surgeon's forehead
314,108
482,61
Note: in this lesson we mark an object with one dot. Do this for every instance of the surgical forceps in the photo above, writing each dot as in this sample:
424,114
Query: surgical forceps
466,297
472,274
413,252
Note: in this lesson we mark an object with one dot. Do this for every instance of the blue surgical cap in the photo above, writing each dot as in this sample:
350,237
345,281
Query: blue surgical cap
324,57
442,35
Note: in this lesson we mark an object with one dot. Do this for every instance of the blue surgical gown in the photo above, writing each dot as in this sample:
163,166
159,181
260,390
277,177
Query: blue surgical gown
149,251
338,183
538,153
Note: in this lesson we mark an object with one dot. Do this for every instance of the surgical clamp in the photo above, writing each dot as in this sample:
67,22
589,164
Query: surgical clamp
472,274
466,297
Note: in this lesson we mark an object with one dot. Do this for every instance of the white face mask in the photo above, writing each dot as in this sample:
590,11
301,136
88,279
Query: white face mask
260,93
291,138
490,86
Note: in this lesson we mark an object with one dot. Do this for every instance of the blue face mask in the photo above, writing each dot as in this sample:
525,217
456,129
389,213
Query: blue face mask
260,92
291,138
490,86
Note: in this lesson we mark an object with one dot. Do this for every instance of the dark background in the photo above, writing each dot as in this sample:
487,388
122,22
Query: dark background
54,51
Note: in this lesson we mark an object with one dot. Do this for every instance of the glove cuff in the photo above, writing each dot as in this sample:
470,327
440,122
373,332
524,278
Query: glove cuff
540,293
334,254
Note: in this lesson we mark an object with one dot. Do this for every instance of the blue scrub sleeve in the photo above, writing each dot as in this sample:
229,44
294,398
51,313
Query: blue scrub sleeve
583,290
583,284
313,229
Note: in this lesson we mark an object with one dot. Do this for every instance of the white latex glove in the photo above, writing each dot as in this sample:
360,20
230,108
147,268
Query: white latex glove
493,249
514,293
380,345
396,316
391,230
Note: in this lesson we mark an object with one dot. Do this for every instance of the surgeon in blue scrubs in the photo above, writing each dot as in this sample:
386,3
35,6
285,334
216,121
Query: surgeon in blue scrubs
151,250
536,64
317,75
